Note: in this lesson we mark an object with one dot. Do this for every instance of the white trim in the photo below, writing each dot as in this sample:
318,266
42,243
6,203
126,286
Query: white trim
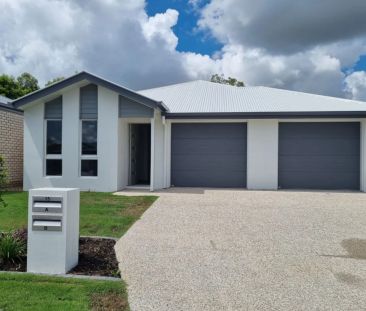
167,154
208,121
247,120
152,152
363,156
137,120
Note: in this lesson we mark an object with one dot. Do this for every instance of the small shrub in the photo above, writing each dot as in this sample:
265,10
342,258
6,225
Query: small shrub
21,235
12,249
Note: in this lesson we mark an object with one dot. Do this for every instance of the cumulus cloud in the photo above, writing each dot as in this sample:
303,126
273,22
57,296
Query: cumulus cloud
115,39
303,46
284,26
356,85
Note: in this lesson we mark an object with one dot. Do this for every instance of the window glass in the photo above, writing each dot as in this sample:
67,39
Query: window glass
89,167
89,138
54,136
53,167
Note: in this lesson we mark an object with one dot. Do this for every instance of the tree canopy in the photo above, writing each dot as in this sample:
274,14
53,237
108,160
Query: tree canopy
13,88
216,78
54,80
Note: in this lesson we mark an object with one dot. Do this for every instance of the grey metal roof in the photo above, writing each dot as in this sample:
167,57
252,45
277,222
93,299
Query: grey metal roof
4,100
204,97
86,76
5,104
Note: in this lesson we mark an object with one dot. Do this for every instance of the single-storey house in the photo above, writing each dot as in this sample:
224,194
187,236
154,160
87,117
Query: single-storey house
93,134
11,141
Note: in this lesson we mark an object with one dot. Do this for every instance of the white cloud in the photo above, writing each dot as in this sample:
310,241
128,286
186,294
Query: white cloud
303,47
356,85
159,26
115,39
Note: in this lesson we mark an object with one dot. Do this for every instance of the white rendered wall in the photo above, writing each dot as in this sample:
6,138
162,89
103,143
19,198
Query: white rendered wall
33,147
108,144
157,152
262,154
123,153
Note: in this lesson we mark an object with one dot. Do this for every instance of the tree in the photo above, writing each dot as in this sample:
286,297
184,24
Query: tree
216,78
8,86
27,83
3,180
16,87
54,80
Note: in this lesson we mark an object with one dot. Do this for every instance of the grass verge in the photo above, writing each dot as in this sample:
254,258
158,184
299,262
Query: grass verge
102,214
32,292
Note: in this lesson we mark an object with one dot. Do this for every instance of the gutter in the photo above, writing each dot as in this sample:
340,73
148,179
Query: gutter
10,109
267,115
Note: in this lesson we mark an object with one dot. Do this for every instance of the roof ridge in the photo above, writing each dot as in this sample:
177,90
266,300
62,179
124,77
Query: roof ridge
170,85
311,94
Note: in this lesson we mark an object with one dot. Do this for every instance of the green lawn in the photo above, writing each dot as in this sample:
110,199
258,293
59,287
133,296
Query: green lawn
32,292
102,214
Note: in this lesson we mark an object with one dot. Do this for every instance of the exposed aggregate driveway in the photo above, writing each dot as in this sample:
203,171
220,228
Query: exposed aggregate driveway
197,249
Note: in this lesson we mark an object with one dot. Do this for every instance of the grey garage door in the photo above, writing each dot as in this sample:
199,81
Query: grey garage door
319,155
209,155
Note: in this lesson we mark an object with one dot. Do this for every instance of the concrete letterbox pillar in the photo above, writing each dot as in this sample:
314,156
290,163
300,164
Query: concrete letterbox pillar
53,230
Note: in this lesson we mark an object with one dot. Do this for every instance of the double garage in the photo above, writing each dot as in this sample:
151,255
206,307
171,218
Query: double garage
311,155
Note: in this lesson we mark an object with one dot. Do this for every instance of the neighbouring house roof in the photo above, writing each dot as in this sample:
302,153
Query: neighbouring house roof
4,100
208,99
5,104
91,78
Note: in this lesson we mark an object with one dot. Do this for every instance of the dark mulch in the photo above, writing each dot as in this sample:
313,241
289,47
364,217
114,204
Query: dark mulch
109,301
20,266
96,257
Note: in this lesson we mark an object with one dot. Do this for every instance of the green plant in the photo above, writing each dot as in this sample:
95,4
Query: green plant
12,249
3,180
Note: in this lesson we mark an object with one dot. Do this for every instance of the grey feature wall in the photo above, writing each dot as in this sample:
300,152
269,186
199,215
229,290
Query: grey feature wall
131,109
53,109
89,102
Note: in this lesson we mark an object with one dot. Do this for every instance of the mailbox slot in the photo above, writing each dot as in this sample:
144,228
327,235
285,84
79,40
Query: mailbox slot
47,205
46,223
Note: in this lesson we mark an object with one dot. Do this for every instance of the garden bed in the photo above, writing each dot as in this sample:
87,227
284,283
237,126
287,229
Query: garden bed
96,258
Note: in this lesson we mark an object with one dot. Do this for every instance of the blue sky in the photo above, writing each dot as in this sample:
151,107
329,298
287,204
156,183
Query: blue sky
361,64
190,39
317,47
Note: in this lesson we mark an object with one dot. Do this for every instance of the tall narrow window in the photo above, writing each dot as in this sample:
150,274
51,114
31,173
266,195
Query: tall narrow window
89,130
53,144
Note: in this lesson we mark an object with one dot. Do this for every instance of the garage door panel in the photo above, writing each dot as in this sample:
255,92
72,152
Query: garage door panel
300,130
208,130
198,146
319,155
218,178
209,155
331,181
208,161
318,146
309,162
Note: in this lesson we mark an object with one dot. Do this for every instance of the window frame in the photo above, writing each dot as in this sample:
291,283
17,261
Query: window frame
51,156
87,156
